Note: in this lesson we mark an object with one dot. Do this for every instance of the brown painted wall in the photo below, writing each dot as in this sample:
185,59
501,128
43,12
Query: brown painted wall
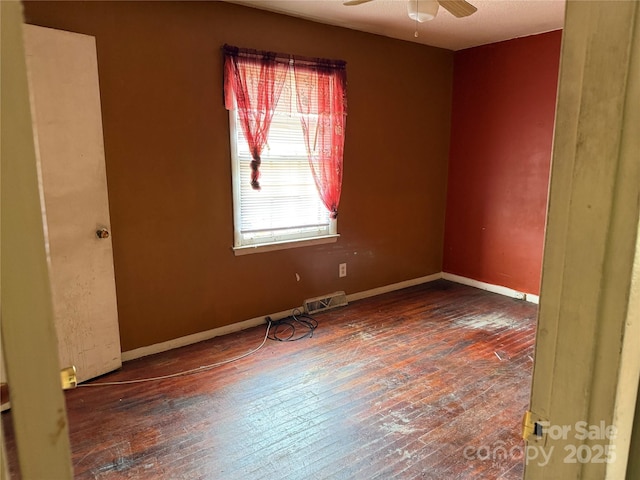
504,99
166,139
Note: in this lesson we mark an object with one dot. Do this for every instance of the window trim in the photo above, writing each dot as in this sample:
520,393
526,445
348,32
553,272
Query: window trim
284,245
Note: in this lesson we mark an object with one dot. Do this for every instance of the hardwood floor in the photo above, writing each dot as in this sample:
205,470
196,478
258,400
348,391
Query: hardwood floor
423,383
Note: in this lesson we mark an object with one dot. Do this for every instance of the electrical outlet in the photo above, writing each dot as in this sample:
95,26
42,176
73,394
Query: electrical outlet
342,270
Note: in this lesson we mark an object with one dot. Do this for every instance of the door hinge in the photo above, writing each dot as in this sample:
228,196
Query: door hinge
68,377
533,427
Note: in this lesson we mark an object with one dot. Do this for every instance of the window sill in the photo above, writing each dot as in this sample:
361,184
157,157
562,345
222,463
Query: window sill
270,247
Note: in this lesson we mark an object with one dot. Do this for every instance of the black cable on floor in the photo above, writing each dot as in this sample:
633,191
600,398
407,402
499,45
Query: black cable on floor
294,327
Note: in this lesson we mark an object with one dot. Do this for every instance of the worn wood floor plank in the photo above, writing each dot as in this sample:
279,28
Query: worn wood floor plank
421,383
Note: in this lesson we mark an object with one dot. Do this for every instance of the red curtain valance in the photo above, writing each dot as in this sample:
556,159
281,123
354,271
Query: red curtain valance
336,67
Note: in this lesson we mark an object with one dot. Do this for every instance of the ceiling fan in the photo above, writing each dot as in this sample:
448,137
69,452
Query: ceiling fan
424,10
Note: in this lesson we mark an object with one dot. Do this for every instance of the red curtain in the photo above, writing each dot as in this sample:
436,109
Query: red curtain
321,96
253,82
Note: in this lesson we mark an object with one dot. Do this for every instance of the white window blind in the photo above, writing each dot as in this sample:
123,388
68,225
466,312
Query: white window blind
288,206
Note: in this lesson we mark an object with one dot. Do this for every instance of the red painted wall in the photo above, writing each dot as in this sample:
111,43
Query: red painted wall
504,97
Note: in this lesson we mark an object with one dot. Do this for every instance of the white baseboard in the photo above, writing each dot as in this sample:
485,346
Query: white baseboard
200,336
507,292
253,322
394,286
530,297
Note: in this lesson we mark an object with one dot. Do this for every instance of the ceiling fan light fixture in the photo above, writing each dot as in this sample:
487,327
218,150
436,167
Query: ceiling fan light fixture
422,10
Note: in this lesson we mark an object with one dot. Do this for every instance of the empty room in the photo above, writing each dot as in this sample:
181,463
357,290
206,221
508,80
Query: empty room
320,239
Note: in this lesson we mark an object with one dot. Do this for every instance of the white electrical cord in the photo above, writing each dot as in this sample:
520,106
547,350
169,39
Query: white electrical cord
202,368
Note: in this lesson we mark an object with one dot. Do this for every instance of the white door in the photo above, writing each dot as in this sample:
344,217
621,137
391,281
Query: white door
63,80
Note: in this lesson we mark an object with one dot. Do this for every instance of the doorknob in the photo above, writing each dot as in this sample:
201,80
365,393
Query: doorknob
102,233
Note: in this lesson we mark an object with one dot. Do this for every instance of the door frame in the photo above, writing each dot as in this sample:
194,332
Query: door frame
587,361
38,407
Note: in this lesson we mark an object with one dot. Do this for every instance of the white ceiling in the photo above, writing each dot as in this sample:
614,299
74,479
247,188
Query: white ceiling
495,20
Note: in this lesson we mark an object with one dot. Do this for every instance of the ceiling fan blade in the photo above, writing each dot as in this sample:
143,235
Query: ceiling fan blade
351,3
458,8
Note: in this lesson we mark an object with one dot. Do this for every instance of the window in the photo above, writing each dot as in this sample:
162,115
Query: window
287,175
287,206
